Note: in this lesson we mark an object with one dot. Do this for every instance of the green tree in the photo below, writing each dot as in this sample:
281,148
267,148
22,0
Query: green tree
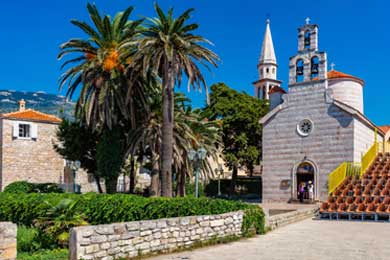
242,133
78,142
98,67
110,158
169,48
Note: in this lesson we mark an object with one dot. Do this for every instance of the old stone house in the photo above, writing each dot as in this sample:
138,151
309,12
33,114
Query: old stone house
314,126
27,152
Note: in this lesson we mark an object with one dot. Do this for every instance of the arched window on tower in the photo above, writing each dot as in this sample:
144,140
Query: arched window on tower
314,67
307,40
273,71
259,93
299,71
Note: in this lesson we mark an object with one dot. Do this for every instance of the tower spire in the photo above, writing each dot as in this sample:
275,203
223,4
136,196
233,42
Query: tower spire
267,54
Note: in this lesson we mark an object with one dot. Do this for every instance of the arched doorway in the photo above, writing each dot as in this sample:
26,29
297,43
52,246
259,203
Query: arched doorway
305,173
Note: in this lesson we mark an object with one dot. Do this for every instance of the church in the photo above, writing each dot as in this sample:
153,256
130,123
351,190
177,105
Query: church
315,125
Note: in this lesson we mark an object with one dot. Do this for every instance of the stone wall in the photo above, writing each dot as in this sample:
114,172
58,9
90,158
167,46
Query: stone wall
364,138
280,220
7,241
152,236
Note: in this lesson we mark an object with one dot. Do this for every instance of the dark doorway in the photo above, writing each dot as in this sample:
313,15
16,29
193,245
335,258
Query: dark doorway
305,182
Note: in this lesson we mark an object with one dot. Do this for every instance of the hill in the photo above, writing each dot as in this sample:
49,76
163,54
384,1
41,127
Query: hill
40,101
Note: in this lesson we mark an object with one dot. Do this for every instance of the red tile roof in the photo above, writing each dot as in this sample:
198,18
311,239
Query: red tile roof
276,89
30,114
334,74
384,128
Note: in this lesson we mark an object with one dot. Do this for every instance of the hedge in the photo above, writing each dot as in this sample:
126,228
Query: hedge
104,209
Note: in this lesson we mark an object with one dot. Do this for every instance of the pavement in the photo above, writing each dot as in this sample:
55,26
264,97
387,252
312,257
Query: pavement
305,240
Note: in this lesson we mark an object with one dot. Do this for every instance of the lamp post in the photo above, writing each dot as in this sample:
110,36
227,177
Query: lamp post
196,156
74,166
220,172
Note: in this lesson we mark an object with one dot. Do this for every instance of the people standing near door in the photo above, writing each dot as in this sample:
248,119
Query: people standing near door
311,190
301,191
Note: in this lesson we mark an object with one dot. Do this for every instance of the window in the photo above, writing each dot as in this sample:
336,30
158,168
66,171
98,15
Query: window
305,127
24,131
273,71
307,40
267,70
299,71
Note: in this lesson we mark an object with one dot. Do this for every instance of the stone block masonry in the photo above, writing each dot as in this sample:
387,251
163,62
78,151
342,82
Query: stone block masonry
7,241
131,239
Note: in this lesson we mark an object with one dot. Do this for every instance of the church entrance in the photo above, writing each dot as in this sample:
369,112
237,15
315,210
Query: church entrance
305,182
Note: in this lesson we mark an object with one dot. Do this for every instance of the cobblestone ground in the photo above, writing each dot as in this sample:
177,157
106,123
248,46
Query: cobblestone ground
305,240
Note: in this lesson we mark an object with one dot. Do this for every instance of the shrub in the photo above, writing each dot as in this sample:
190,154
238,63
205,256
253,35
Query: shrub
28,239
245,187
104,209
26,187
19,187
57,254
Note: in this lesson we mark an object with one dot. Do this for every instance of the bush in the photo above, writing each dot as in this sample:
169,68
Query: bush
23,209
19,187
245,187
26,187
28,239
57,254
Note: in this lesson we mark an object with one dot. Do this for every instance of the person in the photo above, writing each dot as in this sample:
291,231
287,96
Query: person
311,190
301,190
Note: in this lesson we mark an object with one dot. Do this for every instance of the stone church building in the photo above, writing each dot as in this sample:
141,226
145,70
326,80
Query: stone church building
314,126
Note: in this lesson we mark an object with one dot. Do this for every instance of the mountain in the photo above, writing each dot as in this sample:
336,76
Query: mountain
40,101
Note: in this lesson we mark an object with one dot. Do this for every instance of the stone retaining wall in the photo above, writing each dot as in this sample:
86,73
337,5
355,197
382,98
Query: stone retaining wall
130,239
280,220
7,241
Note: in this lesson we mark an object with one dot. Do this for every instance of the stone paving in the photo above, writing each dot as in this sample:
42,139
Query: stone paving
305,240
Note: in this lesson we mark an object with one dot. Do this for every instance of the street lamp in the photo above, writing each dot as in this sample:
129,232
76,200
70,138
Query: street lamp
196,157
73,166
220,172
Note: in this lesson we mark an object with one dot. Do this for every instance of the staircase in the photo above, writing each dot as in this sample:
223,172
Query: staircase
364,196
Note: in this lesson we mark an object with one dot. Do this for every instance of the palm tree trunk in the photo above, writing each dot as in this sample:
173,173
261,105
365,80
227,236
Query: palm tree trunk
155,190
182,184
233,181
167,129
98,185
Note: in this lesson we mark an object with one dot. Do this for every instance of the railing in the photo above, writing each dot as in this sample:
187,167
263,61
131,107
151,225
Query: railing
369,157
345,169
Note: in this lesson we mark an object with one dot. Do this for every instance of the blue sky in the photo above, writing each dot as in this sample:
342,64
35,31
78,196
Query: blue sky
354,33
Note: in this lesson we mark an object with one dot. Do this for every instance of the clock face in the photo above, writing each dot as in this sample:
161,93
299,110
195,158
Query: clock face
305,127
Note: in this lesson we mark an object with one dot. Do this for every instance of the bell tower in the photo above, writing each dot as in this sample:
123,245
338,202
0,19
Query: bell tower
309,64
267,67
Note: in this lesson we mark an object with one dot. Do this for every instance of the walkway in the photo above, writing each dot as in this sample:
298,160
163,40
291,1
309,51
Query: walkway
305,240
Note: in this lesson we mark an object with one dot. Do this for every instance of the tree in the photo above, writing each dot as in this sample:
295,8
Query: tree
169,48
98,66
78,142
241,131
191,131
110,158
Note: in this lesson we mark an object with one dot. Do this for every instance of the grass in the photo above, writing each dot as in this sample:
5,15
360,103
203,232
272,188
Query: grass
56,254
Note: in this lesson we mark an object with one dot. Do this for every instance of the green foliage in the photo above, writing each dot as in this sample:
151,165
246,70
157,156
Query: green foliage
26,187
59,219
242,133
77,142
28,239
190,189
109,158
253,222
19,187
56,254
104,208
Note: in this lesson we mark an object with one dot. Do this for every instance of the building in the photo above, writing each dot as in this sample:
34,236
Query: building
314,126
27,152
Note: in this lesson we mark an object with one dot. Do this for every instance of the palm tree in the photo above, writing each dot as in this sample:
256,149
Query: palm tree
190,132
98,66
169,48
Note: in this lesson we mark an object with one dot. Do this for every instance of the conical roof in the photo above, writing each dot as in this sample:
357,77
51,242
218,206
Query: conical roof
267,50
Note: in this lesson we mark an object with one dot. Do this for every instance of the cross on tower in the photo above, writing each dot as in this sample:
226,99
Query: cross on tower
307,20
332,65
